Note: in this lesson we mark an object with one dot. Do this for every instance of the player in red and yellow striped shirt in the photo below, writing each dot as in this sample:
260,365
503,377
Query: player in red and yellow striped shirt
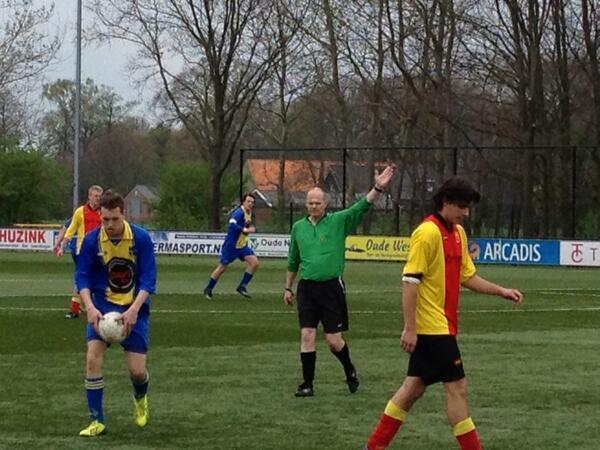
85,219
438,264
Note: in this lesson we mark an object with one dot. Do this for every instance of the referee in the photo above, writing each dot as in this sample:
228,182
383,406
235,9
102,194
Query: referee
317,248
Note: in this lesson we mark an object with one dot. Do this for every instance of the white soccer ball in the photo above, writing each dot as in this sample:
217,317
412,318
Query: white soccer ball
111,327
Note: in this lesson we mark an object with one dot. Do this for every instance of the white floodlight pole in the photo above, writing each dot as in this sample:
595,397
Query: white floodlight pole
77,116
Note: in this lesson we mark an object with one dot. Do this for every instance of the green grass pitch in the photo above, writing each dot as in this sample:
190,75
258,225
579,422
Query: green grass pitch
223,372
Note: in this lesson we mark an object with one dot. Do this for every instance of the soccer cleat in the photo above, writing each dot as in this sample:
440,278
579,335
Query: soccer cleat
305,390
208,293
93,429
141,411
352,382
243,292
71,315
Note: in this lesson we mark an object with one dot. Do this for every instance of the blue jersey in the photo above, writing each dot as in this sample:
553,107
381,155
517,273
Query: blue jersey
72,245
239,219
115,271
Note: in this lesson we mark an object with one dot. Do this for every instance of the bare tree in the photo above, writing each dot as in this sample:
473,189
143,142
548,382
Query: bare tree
26,50
211,59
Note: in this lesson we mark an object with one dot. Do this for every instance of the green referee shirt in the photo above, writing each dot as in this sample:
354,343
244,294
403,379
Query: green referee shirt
321,248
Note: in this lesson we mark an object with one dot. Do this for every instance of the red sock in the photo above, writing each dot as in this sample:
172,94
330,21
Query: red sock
469,441
74,307
466,435
387,427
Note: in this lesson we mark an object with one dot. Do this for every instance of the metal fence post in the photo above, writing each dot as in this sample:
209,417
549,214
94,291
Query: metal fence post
573,190
344,161
291,215
241,173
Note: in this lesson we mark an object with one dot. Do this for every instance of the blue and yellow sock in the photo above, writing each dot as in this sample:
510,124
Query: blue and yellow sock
140,387
211,283
245,279
94,388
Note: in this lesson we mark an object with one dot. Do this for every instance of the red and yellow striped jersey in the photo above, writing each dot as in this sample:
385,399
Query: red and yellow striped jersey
438,255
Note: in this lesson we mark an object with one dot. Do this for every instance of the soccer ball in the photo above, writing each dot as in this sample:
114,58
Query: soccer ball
111,327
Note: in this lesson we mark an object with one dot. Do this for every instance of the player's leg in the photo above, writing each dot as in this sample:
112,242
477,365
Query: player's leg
308,318
339,348
94,386
395,412
136,347
214,277
74,306
251,260
136,364
75,303
334,316
308,359
458,415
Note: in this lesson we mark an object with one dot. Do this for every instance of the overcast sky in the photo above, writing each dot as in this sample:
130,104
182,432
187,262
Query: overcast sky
105,64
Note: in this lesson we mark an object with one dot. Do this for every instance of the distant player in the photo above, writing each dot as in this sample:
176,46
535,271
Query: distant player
438,264
116,271
84,219
235,246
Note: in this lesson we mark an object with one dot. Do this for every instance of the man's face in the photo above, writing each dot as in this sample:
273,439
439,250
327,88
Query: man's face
94,198
456,213
112,221
315,203
248,203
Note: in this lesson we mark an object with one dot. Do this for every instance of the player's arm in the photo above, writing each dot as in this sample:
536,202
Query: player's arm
146,267
381,182
293,264
288,292
410,283
71,230
58,248
83,275
483,286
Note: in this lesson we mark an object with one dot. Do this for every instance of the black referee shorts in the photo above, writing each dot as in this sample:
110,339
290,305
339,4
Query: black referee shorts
325,302
436,358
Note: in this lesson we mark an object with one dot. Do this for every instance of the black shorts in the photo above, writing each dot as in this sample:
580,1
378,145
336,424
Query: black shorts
436,358
325,302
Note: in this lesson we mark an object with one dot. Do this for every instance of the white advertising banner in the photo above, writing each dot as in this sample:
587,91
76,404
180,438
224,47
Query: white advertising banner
187,243
580,253
27,239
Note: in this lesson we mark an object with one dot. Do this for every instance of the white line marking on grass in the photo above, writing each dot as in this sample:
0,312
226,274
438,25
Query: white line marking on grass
275,312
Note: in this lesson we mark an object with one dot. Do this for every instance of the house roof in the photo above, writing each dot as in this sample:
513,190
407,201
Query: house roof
142,190
302,175
299,175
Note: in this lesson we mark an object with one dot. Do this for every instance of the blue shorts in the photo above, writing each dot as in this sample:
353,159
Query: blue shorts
137,341
228,255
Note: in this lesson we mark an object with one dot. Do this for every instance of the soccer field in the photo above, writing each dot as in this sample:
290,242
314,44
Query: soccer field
223,372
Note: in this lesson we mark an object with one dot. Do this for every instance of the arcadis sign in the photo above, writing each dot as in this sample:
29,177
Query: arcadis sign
515,251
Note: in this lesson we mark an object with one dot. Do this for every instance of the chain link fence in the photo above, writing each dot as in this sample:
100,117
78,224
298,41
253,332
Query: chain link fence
528,192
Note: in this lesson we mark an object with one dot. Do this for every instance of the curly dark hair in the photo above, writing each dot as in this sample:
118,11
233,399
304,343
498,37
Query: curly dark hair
456,190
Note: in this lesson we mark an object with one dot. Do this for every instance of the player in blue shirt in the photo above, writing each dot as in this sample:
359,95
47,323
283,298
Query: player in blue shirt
116,271
235,246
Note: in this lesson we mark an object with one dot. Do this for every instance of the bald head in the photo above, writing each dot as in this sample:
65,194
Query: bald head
316,203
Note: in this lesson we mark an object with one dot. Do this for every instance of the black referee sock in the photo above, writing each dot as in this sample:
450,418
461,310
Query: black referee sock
309,360
344,356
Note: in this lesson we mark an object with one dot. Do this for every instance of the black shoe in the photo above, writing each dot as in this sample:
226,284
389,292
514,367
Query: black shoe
71,315
304,390
242,291
352,382
208,293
